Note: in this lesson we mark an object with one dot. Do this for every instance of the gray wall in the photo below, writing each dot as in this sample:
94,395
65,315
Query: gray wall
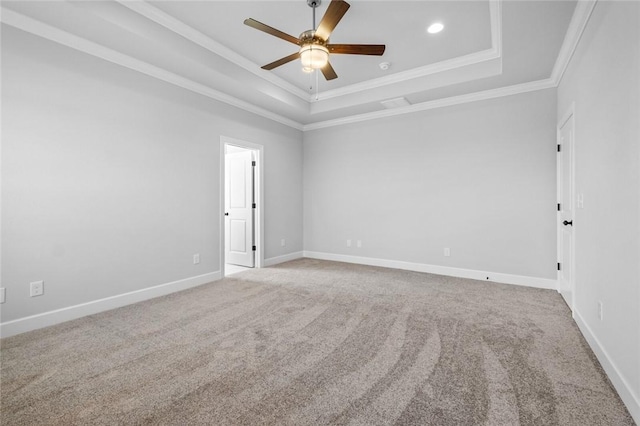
110,179
603,79
478,178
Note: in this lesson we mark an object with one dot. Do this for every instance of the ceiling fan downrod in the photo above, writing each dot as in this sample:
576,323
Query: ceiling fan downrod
313,4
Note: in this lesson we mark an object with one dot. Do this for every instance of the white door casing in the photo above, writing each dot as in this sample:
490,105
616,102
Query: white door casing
566,190
239,199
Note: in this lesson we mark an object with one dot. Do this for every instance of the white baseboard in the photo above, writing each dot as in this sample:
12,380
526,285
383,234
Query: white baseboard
619,382
440,270
45,319
281,259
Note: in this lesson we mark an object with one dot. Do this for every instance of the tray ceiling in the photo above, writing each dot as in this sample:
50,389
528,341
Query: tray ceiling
204,46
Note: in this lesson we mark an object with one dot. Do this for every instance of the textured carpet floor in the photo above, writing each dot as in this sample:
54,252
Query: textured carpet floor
315,342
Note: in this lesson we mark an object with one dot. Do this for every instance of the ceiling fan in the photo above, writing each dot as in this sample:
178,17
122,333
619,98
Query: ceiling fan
314,44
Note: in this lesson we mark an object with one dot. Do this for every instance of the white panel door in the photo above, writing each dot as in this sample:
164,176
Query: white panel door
239,209
566,279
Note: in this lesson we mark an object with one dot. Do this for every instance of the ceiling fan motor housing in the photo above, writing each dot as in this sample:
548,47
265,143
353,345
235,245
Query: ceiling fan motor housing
309,37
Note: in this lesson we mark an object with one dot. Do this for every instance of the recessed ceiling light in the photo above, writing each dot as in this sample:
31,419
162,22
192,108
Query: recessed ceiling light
435,28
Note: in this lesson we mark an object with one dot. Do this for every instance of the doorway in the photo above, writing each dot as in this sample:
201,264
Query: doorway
566,207
241,205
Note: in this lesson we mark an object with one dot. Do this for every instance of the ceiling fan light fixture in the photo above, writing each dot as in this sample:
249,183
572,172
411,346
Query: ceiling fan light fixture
314,56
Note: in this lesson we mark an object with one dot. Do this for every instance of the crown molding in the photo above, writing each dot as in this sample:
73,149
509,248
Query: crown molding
438,103
578,23
169,22
407,88
158,16
495,52
447,65
73,41
576,28
495,16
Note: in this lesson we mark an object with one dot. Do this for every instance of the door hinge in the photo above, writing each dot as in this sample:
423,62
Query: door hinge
253,205
558,206
253,163
558,266
254,248
559,149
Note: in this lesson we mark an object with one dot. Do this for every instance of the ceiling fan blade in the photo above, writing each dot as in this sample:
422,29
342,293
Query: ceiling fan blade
281,61
270,30
333,15
357,49
328,72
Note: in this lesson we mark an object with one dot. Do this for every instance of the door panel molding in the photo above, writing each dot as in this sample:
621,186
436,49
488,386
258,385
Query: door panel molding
258,151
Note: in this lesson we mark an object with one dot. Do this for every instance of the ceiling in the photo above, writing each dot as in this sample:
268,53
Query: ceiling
487,47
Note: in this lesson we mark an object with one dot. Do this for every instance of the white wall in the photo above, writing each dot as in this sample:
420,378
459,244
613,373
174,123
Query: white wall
110,179
603,79
478,178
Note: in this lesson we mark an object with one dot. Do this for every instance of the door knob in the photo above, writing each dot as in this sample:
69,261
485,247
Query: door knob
568,222
226,214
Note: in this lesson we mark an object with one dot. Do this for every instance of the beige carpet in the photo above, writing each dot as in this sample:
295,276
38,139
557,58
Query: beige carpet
315,342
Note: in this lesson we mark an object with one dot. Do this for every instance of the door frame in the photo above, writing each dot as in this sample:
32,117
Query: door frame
259,198
570,113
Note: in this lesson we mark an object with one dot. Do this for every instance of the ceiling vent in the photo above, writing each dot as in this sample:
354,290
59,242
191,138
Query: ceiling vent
395,103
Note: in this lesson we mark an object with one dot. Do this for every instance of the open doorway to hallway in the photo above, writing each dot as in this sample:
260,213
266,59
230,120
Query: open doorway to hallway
241,205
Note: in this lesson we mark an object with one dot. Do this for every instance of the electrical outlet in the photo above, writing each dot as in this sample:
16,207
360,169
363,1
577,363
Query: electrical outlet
2,295
600,310
36,288
348,243
196,258
359,244
283,242
447,251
